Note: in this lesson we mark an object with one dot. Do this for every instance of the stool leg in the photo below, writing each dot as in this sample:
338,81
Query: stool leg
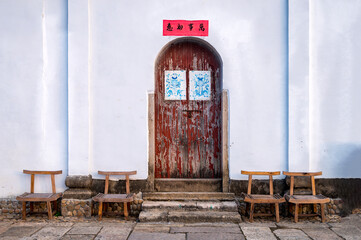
126,210
322,212
100,213
251,212
277,212
50,214
296,212
24,210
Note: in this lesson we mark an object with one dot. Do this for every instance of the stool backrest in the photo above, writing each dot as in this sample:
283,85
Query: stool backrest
303,174
270,174
33,173
108,173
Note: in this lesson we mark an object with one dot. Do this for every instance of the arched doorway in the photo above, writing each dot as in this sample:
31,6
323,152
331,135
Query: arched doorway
188,110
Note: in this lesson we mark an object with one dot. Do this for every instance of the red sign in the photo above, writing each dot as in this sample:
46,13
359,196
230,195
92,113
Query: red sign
185,28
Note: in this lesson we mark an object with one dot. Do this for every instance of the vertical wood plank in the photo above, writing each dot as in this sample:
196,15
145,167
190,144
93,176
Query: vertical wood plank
270,184
53,183
32,183
277,212
106,184
151,141
291,185
225,144
249,184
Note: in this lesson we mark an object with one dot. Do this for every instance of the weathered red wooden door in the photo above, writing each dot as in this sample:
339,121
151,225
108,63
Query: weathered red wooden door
188,119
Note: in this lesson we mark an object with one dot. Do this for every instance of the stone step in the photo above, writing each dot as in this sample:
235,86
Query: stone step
189,216
228,206
188,185
188,196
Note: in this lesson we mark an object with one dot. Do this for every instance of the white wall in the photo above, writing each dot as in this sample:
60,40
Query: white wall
298,85
33,93
125,39
307,49
335,116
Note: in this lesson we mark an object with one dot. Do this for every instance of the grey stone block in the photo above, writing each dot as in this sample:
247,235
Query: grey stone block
77,193
321,234
169,205
19,231
352,220
302,225
230,206
348,232
78,237
53,232
204,216
158,236
79,181
84,230
290,234
258,224
153,216
188,196
114,233
256,233
151,228
215,236
205,230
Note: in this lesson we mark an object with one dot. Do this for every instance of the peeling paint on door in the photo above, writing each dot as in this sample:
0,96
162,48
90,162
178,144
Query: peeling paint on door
188,132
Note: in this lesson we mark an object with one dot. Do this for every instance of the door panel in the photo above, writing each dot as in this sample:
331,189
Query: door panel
188,132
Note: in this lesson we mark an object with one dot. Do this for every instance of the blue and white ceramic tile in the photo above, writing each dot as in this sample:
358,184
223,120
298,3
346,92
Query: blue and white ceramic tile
175,85
199,85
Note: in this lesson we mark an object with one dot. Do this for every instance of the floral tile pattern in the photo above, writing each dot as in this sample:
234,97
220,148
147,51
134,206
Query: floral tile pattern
175,85
199,85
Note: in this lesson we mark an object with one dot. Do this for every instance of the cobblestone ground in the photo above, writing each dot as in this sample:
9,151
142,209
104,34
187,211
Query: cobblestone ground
38,227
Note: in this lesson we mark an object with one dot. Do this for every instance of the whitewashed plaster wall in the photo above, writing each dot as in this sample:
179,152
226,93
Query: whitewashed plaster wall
262,44
33,93
124,41
335,86
109,50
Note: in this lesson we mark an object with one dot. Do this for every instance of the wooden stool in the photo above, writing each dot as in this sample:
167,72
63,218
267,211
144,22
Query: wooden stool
306,199
40,197
249,198
106,198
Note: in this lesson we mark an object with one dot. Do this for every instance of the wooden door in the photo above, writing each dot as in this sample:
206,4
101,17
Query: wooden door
188,128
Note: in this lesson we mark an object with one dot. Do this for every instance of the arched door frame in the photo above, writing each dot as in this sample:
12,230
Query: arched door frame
151,185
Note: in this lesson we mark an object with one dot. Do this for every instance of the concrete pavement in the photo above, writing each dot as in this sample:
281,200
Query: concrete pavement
114,228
